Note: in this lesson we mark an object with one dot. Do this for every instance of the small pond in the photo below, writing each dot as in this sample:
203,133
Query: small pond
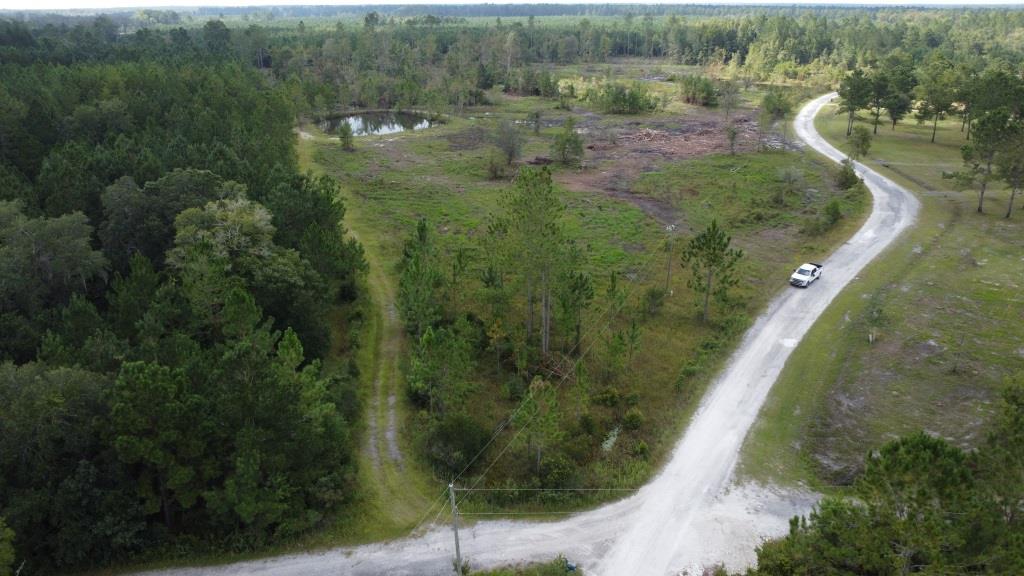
368,123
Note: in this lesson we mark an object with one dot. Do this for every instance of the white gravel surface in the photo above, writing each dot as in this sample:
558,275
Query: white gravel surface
691,514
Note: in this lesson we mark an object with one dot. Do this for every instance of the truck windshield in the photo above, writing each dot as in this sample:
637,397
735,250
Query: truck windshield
804,271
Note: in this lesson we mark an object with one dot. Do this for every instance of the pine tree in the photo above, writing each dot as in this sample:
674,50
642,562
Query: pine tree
713,264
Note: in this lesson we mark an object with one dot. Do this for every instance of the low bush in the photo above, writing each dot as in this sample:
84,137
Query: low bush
846,178
609,397
633,419
497,167
654,300
698,90
567,147
615,98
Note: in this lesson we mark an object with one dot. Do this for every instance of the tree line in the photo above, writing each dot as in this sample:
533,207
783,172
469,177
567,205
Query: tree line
390,60
408,61
166,278
987,96
452,64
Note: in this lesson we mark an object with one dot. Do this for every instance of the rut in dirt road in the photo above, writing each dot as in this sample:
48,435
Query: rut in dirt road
690,514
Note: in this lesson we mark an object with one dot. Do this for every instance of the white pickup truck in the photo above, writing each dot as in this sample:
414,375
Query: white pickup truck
805,274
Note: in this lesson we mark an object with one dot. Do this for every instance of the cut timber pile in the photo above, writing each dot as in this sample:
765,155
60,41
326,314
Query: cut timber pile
701,141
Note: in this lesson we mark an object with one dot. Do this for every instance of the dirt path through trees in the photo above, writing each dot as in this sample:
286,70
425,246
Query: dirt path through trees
394,496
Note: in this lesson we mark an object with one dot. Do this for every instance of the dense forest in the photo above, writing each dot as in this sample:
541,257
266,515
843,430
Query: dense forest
179,303
167,275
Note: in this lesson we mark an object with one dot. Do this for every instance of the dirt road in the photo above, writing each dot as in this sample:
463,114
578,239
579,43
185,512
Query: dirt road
691,514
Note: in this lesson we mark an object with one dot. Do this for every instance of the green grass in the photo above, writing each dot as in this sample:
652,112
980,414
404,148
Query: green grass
943,307
392,497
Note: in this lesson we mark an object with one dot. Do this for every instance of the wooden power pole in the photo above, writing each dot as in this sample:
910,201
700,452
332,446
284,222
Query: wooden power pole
455,529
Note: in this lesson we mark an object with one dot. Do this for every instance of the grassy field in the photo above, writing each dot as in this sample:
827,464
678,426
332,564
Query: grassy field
922,340
618,210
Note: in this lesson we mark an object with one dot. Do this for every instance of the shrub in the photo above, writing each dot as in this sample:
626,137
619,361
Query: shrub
514,388
609,397
654,300
790,178
846,178
615,98
698,90
587,424
833,213
454,440
688,372
535,118
508,141
633,419
860,142
497,167
527,81
640,449
631,399
6,548
568,145
731,133
557,471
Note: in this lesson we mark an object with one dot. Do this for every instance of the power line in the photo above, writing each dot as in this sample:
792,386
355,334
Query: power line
505,422
546,489
576,363
431,509
516,513
603,321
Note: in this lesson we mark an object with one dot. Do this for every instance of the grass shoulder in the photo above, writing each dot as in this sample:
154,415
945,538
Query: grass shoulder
922,339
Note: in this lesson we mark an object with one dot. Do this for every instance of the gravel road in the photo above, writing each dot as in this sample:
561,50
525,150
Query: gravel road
692,514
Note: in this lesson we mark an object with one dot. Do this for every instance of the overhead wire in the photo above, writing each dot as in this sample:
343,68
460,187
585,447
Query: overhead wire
604,323
506,421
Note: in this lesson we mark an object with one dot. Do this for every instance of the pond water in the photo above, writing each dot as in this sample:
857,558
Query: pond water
369,123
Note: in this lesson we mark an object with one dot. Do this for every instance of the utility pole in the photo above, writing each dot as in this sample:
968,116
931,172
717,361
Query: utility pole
455,529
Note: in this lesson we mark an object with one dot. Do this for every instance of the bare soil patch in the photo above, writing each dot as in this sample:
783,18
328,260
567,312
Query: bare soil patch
617,155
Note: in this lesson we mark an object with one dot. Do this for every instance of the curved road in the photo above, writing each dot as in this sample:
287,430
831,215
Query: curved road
691,513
